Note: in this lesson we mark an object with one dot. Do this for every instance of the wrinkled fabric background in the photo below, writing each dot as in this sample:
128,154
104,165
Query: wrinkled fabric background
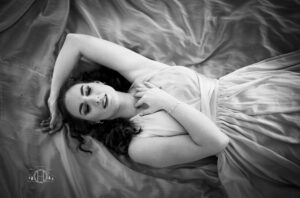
213,37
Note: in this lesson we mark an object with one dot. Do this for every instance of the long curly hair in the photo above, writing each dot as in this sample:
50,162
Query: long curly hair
114,134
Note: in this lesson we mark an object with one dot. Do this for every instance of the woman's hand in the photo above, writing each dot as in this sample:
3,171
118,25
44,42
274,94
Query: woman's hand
152,96
54,123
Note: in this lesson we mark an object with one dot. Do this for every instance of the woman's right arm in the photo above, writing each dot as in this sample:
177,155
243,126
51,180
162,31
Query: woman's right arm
65,63
128,63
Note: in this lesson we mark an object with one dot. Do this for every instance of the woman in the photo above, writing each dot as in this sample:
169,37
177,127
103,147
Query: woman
249,118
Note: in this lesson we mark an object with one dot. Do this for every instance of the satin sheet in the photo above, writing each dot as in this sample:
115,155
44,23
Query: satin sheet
213,37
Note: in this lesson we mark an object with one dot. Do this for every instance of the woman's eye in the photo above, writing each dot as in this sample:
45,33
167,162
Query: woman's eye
88,90
86,109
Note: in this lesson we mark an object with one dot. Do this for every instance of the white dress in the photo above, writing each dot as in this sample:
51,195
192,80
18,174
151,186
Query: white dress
258,107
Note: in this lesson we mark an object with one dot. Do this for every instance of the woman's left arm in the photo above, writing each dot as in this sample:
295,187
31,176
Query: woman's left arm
201,129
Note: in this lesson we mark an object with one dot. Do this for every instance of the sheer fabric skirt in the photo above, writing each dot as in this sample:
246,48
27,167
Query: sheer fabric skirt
258,107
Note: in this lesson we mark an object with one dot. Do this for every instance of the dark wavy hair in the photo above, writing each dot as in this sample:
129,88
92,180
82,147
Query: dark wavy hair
114,134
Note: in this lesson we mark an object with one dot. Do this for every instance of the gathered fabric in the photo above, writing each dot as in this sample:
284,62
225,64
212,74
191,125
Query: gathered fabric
258,107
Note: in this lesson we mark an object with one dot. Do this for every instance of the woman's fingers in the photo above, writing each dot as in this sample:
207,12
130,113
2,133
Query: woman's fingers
145,84
149,85
44,124
140,86
139,94
139,103
47,129
141,89
46,120
145,112
50,123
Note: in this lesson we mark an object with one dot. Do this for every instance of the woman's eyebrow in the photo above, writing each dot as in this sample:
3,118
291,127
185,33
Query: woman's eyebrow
80,107
81,104
81,90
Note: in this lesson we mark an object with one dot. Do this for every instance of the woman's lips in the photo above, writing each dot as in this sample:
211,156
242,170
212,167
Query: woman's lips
104,101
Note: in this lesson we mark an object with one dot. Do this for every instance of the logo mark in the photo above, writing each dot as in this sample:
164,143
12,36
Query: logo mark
40,175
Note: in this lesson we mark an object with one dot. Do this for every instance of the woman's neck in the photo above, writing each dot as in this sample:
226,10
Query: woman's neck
127,108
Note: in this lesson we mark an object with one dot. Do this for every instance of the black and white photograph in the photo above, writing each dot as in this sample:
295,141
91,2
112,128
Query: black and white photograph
149,98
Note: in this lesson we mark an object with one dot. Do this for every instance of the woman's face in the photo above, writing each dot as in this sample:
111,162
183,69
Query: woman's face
92,101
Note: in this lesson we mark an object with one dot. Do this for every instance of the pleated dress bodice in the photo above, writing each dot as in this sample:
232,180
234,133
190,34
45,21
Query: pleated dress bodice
184,84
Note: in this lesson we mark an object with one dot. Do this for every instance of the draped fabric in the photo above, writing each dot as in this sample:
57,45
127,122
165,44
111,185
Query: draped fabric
212,37
258,107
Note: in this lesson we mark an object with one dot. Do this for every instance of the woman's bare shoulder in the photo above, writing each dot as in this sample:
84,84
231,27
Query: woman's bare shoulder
148,71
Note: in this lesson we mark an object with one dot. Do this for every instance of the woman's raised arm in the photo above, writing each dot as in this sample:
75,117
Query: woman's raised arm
128,63
65,63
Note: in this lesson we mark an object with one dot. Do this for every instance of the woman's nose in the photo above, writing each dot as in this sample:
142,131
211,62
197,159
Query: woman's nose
95,99
98,100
